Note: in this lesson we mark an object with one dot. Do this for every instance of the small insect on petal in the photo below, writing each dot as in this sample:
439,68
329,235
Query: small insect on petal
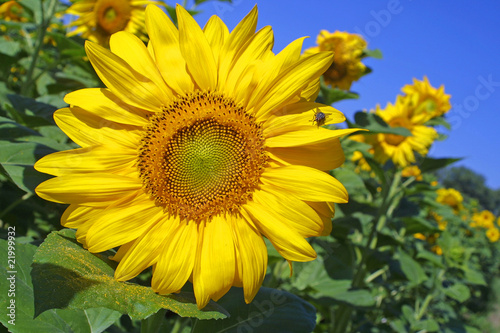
319,117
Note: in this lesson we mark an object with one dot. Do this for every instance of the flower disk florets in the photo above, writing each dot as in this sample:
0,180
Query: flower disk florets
201,156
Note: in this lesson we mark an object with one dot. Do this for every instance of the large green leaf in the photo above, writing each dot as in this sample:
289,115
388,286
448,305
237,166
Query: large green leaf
271,310
52,321
84,280
375,124
411,268
432,164
458,291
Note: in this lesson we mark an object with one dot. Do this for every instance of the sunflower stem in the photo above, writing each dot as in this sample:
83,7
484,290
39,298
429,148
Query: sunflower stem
42,29
153,323
391,197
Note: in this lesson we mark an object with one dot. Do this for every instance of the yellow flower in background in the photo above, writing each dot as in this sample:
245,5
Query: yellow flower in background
450,197
442,224
99,19
437,250
424,101
412,171
493,234
201,144
484,219
348,50
420,236
400,148
12,11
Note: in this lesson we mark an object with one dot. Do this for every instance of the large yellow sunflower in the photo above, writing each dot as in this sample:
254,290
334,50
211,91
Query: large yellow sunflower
346,66
201,144
399,148
12,11
424,101
99,19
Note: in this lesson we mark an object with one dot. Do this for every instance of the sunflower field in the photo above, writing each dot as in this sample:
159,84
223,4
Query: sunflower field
162,175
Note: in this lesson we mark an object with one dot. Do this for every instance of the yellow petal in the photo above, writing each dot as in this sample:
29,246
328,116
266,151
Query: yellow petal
196,50
83,160
122,224
87,187
254,49
87,129
287,242
252,256
215,263
216,33
176,261
306,183
296,116
307,135
144,251
102,103
164,38
295,213
125,82
324,156
289,83
131,49
237,38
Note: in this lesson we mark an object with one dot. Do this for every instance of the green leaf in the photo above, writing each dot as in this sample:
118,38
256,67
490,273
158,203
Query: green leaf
271,310
416,224
376,54
329,95
431,164
52,321
356,297
9,47
428,325
351,180
411,268
474,277
375,124
85,280
431,257
439,121
459,292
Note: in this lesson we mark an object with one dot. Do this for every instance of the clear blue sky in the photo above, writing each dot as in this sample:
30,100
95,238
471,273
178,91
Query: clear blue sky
454,43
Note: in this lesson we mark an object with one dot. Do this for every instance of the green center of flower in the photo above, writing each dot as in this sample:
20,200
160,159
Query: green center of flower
112,15
201,156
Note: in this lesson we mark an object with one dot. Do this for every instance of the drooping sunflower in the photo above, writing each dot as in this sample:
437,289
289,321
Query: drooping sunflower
99,19
348,50
201,144
399,148
424,101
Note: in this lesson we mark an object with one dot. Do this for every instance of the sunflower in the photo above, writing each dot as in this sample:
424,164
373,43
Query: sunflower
493,234
450,197
425,101
201,145
348,50
484,219
399,148
99,19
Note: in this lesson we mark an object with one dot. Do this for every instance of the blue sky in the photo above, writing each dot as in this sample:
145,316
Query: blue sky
454,43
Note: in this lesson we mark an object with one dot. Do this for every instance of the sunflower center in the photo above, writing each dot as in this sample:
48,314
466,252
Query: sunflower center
112,15
394,139
201,156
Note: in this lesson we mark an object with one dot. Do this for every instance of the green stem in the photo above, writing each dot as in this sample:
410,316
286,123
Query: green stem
42,29
153,323
343,315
